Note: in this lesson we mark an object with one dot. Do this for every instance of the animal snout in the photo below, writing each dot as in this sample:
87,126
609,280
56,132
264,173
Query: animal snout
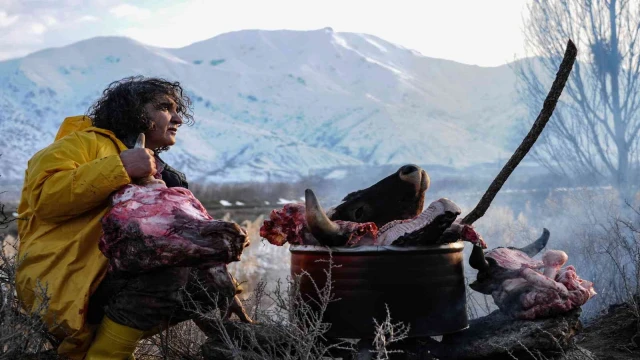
408,169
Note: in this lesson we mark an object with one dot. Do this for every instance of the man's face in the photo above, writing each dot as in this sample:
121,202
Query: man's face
164,115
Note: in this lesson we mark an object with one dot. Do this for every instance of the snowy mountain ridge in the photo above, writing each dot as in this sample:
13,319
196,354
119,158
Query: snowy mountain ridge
275,105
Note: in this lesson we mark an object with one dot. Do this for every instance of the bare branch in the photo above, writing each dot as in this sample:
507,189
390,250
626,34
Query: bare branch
544,116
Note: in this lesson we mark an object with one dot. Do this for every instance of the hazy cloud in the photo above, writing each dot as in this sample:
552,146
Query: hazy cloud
37,28
87,18
29,25
6,20
130,11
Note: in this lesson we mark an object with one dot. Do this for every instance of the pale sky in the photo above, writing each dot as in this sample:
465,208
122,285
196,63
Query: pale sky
477,32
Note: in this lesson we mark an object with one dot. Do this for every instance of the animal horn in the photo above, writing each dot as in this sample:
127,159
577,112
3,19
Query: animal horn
477,259
535,247
323,229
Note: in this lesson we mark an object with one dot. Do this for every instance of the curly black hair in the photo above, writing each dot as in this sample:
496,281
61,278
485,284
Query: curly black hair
121,107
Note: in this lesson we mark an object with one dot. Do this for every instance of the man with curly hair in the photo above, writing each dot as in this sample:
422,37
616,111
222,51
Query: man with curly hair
66,193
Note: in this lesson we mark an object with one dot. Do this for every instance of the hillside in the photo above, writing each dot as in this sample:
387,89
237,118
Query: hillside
275,105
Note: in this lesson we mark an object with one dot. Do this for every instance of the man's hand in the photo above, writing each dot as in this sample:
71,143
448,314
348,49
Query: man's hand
231,233
138,163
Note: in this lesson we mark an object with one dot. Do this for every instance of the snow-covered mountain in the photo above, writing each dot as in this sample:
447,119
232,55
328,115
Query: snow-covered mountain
275,104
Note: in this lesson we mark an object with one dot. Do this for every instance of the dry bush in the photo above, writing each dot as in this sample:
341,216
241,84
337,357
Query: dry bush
386,334
181,341
287,325
291,326
22,335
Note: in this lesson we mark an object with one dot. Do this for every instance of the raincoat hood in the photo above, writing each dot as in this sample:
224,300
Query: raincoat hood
71,124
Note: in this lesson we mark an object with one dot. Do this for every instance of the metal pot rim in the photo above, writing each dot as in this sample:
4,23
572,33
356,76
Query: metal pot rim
453,247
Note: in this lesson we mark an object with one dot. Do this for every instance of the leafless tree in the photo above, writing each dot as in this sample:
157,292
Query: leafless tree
595,127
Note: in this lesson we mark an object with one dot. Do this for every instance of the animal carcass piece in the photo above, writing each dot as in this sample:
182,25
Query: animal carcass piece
387,213
290,225
525,288
150,227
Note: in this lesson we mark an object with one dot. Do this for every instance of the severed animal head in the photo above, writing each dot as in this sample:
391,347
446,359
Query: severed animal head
399,196
525,288
388,212
426,227
393,205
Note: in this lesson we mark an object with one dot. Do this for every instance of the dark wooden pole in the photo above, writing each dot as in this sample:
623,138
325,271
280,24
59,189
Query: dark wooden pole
545,114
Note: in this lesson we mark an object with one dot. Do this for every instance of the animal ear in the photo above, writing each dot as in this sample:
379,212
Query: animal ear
352,195
363,210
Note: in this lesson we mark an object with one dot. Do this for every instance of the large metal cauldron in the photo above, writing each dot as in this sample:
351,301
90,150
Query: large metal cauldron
422,285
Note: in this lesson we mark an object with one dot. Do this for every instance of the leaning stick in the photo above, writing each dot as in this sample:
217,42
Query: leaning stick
545,114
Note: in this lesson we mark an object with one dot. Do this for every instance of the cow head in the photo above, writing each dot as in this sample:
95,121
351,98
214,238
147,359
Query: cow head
394,205
386,213
399,196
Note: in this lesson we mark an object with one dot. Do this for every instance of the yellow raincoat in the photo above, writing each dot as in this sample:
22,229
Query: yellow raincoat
65,194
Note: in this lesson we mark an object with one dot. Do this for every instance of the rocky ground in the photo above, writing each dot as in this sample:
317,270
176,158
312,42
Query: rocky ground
615,335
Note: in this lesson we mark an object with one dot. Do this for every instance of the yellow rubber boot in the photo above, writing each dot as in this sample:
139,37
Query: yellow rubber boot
114,342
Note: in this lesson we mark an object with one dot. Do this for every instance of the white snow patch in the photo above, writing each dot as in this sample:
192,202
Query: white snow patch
225,203
380,47
389,67
341,41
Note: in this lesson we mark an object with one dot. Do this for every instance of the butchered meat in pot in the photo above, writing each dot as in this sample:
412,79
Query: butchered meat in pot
389,212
